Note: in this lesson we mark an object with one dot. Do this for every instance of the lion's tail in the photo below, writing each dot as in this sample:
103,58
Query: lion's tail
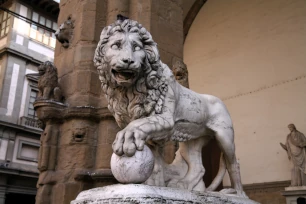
218,179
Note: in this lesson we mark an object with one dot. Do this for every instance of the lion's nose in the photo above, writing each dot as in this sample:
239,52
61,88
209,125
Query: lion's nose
127,61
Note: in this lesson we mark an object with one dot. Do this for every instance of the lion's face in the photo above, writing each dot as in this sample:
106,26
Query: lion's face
42,69
125,56
130,71
181,73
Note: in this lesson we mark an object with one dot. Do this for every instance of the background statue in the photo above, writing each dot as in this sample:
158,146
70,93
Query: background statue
296,150
180,71
152,107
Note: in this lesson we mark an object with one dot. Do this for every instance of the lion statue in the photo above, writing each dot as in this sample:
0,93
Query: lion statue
180,71
151,107
47,83
65,32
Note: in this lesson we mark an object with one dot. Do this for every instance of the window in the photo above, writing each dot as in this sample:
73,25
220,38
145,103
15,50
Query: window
31,111
40,34
4,23
28,151
28,116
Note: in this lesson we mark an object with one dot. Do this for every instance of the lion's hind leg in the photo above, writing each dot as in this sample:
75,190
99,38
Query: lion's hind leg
225,138
176,170
191,151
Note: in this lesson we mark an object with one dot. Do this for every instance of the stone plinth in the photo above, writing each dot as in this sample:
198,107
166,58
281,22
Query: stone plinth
139,193
294,192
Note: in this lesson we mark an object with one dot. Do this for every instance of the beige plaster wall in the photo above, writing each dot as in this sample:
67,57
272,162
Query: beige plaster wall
252,54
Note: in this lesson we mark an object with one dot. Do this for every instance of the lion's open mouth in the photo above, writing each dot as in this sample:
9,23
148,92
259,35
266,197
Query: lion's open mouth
123,75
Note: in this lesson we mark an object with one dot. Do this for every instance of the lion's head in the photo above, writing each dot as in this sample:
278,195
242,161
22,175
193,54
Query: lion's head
64,33
180,71
130,70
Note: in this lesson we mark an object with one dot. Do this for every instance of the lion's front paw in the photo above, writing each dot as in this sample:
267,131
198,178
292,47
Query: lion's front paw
128,141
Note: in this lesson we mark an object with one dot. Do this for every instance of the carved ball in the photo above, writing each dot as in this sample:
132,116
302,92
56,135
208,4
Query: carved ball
135,169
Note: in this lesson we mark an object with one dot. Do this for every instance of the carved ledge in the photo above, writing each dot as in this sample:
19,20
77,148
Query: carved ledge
49,109
266,187
97,175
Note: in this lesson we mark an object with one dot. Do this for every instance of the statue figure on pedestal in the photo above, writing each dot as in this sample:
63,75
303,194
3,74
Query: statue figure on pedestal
296,150
48,88
151,107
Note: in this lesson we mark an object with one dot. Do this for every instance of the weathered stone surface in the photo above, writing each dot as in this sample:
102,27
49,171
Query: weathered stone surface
48,88
65,192
103,156
64,33
133,193
135,169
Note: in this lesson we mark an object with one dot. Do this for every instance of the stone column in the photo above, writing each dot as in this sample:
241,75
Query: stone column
115,7
78,77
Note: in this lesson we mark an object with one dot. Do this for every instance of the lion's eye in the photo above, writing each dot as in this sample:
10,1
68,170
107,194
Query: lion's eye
115,47
136,48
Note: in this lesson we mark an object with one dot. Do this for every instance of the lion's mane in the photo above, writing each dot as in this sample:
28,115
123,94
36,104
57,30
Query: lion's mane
49,78
146,96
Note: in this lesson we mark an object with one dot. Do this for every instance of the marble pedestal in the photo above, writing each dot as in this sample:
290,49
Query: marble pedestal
139,193
292,193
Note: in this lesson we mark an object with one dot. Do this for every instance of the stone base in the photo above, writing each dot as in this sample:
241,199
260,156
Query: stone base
139,193
292,193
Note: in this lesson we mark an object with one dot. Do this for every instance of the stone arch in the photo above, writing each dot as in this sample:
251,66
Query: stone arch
191,15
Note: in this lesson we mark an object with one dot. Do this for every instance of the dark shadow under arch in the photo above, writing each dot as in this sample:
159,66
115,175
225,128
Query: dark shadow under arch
191,15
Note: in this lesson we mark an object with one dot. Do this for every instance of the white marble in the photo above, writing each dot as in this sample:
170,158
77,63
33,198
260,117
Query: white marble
151,106
135,169
138,193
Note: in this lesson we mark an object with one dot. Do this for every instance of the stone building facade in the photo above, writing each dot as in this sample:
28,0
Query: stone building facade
23,46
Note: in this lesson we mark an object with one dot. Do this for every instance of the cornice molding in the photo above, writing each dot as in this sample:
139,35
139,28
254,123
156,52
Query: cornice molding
50,110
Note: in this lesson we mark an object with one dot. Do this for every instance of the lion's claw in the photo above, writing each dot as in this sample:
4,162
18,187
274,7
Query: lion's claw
128,141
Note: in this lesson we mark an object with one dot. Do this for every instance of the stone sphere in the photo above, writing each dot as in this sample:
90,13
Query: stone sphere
135,169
